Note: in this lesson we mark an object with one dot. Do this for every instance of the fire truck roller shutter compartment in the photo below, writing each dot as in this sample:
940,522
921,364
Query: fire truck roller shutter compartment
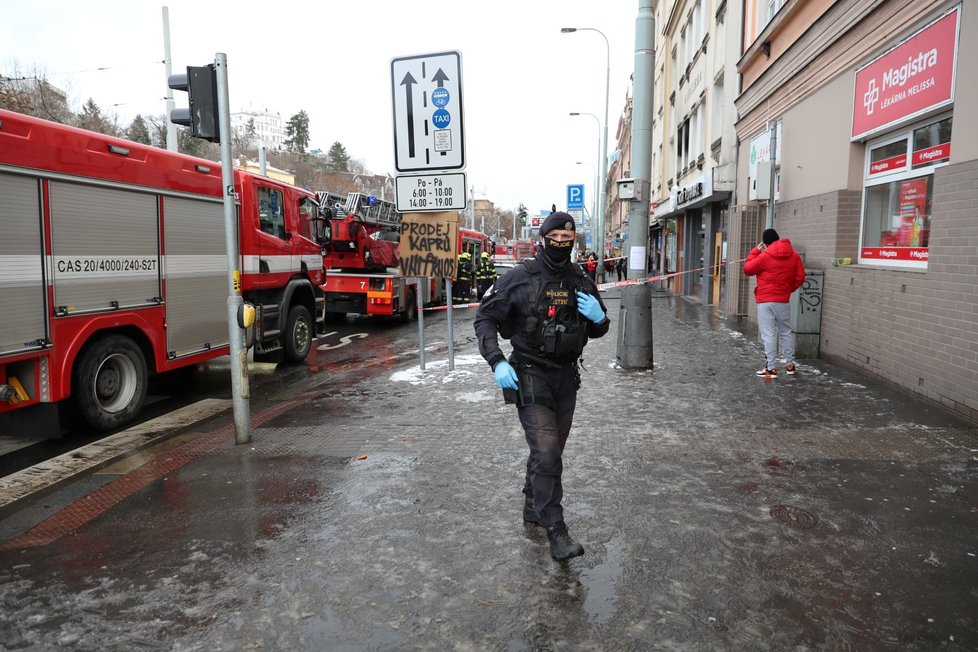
23,325
105,248
196,275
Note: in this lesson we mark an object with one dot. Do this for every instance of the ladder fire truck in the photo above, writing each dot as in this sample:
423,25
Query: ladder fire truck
362,259
113,266
511,252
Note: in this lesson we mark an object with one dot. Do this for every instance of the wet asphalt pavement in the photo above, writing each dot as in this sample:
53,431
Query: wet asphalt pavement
379,507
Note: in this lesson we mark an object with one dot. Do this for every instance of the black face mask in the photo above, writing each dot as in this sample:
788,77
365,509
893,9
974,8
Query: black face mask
558,252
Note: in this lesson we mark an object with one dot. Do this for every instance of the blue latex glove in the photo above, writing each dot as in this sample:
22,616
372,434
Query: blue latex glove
588,306
505,375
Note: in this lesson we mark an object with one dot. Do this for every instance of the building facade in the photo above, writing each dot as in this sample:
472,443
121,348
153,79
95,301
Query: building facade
694,143
269,128
875,163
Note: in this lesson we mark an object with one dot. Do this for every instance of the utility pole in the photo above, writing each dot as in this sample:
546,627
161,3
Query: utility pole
171,129
635,339
471,210
240,391
774,173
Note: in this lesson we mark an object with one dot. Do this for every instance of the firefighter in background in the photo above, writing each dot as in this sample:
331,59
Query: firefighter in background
462,287
485,275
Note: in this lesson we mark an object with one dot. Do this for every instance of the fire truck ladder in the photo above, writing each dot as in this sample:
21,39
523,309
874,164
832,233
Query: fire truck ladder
371,210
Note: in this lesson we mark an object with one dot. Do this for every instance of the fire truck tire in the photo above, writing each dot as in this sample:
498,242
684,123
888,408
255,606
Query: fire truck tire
410,312
109,382
298,334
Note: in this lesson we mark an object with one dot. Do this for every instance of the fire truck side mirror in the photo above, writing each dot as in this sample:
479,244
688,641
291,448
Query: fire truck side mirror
200,83
324,233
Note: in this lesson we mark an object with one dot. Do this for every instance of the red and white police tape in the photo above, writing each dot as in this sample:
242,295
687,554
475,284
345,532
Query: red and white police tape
661,277
608,286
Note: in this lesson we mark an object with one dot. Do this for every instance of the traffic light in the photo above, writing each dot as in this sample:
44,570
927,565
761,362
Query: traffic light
200,82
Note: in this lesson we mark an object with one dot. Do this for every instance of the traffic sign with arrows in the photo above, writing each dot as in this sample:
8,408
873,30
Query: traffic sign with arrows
427,93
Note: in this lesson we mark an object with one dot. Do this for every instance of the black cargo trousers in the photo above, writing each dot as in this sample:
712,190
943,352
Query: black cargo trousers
545,401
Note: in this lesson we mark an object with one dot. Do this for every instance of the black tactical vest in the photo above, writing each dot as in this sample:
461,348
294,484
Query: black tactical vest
555,330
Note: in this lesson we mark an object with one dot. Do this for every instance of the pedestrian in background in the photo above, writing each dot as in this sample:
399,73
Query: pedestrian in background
548,309
779,272
621,269
592,266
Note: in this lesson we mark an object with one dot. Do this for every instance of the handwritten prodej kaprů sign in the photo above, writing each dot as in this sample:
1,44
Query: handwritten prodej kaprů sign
429,244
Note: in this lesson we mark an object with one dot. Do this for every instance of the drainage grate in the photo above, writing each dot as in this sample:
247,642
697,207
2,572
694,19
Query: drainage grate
796,518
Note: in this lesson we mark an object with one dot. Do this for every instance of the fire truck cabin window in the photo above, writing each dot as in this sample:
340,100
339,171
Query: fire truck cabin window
270,213
308,209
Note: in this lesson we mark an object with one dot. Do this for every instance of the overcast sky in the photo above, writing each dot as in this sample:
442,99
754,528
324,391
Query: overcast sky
520,76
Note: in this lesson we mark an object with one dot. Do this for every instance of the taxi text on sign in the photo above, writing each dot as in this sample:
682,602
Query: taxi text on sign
429,244
426,90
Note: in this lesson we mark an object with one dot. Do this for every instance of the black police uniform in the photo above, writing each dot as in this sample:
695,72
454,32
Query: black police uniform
546,348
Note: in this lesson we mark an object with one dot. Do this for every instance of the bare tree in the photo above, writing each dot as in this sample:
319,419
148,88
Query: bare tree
32,94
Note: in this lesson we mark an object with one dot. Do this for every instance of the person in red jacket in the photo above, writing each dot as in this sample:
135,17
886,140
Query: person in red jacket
779,272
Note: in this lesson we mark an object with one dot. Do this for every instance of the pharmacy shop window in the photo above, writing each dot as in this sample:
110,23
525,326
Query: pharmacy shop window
898,194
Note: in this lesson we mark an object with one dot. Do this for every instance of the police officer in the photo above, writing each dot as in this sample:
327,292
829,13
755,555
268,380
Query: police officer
548,308
486,274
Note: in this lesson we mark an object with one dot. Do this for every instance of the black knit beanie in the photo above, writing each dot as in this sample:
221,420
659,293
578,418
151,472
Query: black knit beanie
770,236
556,221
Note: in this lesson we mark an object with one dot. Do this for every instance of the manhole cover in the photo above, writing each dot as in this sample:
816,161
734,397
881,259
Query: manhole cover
797,518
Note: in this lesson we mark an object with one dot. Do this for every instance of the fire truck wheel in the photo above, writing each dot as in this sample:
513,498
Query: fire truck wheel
410,312
109,382
298,334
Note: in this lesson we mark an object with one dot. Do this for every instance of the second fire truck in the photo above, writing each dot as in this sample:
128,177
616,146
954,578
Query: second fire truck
362,260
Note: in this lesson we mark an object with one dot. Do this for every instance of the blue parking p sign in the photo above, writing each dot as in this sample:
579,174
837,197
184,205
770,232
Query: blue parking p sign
575,197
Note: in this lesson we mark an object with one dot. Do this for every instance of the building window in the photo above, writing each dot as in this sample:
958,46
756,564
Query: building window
717,109
682,147
694,135
899,192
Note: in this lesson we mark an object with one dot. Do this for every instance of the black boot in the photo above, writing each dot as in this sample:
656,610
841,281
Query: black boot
530,515
561,545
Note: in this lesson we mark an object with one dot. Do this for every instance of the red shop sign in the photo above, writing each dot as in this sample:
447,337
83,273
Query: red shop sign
912,78
919,254
888,164
932,154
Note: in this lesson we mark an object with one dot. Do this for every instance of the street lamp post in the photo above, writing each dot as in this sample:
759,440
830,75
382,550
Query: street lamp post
594,197
604,142
594,210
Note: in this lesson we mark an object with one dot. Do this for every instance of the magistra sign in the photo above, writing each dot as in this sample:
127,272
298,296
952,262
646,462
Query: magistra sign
913,78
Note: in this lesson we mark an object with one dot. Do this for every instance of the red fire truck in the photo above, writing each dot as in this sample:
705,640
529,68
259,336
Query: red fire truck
363,258
511,252
113,266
